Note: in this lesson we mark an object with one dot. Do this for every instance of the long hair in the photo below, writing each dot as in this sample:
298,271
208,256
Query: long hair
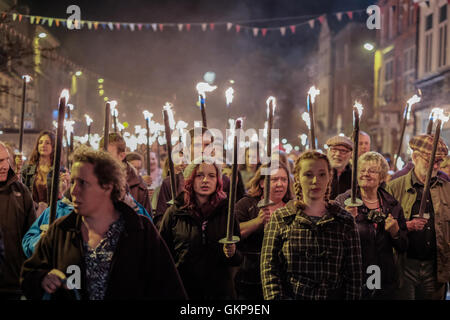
255,189
189,193
34,158
310,155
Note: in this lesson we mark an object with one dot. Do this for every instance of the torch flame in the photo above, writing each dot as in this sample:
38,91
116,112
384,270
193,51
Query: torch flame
64,94
413,100
438,114
360,108
203,87
120,126
303,138
70,106
27,78
313,92
229,95
112,105
168,108
274,104
88,120
181,125
307,119
147,115
254,138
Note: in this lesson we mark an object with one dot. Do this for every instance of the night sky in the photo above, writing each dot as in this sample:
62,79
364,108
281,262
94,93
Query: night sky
168,64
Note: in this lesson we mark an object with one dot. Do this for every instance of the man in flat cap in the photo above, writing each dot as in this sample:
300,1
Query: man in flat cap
339,153
425,267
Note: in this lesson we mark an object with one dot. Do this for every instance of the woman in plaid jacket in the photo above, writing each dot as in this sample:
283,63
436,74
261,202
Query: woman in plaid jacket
311,248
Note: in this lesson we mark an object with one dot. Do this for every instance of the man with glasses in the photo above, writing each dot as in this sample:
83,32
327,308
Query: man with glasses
339,153
425,268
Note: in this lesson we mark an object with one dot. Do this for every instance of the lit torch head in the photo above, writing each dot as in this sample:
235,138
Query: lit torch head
313,92
203,87
274,104
168,108
88,120
27,78
64,94
70,106
440,115
229,95
307,119
413,100
112,105
147,115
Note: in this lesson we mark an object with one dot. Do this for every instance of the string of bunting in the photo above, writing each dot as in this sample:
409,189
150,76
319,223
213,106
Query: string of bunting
237,26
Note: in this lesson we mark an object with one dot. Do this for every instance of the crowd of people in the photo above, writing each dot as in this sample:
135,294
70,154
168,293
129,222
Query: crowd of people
131,237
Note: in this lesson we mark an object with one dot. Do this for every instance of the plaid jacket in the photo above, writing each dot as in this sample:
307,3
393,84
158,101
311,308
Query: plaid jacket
303,260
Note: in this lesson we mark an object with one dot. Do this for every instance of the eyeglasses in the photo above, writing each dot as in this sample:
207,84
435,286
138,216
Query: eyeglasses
336,150
370,171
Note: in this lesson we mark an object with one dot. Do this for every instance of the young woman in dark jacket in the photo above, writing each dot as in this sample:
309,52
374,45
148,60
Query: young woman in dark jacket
252,220
192,228
380,222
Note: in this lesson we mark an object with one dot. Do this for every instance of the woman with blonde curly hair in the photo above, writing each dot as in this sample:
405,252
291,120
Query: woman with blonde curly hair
311,247
380,222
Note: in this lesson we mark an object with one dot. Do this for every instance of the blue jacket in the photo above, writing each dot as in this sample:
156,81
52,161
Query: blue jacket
64,207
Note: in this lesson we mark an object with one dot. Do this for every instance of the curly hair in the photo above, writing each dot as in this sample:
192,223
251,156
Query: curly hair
107,169
309,155
255,189
379,159
34,157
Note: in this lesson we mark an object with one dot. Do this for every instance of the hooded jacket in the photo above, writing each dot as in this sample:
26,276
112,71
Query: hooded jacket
16,216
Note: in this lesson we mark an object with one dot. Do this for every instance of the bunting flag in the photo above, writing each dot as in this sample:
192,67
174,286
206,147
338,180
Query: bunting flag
248,29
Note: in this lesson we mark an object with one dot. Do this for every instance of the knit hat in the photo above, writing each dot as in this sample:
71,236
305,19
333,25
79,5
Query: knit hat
340,141
424,144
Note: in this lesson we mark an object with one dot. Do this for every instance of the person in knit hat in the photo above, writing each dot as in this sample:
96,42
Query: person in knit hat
425,264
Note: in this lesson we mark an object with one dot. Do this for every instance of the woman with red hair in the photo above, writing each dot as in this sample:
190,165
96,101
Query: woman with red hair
192,228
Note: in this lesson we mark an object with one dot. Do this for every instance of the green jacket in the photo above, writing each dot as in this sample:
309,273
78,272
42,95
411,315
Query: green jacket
402,190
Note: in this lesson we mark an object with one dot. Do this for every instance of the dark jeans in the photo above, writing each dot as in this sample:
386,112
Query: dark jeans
420,281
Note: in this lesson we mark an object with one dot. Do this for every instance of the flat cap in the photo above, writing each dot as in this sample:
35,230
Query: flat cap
424,144
340,141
